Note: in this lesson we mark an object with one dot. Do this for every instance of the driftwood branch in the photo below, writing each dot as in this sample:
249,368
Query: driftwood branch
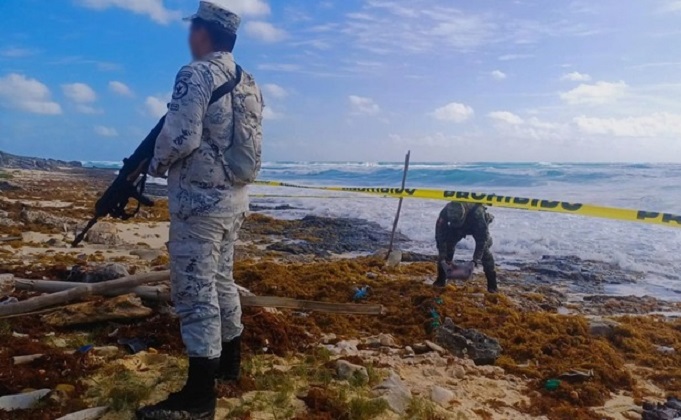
10,238
118,286
22,360
162,293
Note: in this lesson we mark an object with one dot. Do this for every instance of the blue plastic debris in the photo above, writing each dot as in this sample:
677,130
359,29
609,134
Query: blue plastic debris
84,349
361,293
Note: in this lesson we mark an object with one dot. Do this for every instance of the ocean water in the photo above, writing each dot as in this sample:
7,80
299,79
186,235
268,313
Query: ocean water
519,236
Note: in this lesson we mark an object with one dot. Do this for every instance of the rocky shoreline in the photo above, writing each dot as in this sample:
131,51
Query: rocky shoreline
9,161
551,345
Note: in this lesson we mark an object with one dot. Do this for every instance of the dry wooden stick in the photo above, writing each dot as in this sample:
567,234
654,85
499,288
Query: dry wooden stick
160,293
119,286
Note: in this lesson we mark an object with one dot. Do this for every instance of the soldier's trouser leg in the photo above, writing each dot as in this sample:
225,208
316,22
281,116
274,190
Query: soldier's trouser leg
228,295
449,256
490,270
196,256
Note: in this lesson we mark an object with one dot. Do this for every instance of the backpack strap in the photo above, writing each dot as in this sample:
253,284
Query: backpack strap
226,88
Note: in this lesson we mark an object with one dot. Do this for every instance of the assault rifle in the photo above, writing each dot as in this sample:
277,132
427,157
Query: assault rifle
129,183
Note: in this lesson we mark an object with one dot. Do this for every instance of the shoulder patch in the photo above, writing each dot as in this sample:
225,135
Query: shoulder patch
184,75
180,90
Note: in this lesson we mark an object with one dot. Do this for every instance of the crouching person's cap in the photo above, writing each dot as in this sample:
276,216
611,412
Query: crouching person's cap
211,12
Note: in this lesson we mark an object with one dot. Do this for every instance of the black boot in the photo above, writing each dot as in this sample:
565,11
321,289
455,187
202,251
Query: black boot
492,282
196,401
441,280
230,361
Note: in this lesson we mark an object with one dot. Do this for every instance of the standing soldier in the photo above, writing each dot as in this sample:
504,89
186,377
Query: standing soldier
456,221
210,149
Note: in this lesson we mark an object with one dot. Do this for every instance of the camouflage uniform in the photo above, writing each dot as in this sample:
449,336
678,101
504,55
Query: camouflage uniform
207,207
456,221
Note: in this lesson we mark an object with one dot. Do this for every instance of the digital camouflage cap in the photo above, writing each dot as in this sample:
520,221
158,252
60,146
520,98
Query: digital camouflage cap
456,213
211,12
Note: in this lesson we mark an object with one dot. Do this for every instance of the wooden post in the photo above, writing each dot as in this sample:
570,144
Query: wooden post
399,204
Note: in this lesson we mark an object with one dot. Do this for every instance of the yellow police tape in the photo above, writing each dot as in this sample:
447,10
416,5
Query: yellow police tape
657,218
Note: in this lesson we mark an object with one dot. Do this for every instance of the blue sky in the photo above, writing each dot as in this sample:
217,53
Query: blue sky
484,80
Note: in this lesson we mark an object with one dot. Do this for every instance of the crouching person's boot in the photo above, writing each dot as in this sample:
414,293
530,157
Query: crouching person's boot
491,281
230,361
441,280
196,401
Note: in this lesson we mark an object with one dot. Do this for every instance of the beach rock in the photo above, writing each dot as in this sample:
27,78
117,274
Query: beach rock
329,236
421,348
457,372
435,347
395,392
44,218
387,340
601,327
441,396
6,186
381,340
329,338
665,349
6,284
346,370
146,254
468,342
97,273
344,348
103,233
6,220
282,207
55,243
669,410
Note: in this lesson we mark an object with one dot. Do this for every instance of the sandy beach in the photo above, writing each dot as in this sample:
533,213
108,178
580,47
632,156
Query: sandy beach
605,355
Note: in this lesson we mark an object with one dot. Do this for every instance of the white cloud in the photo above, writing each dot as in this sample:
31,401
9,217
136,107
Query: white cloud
14,52
157,106
671,6
511,57
576,76
265,31
506,117
661,124
79,93
270,114
88,109
151,8
512,126
384,27
363,105
106,131
454,111
595,94
120,88
275,91
245,7
498,75
30,95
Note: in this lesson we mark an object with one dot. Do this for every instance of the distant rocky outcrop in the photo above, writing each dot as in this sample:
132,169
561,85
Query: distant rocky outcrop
9,161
